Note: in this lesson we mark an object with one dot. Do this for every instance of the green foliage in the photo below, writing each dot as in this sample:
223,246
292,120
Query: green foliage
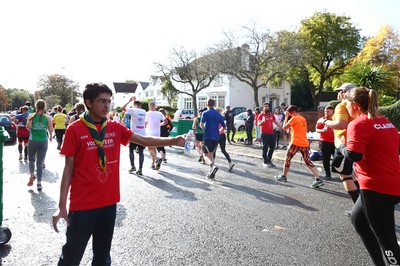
371,76
385,100
52,101
392,112
59,85
169,91
301,97
330,42
17,97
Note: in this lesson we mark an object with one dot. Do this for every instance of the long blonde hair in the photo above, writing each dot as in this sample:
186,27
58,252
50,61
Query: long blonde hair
366,98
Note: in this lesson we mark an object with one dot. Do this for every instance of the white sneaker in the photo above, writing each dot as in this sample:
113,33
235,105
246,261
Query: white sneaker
231,165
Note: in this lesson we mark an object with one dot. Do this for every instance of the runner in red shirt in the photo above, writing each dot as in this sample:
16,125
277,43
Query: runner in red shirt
22,132
327,140
91,176
265,121
371,144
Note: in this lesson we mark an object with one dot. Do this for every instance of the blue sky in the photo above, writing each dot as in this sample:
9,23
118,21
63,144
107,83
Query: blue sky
112,41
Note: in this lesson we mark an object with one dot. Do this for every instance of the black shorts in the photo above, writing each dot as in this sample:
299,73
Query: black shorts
135,145
341,165
209,146
199,136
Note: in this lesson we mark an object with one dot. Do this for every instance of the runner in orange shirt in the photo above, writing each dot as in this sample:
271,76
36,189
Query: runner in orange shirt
299,142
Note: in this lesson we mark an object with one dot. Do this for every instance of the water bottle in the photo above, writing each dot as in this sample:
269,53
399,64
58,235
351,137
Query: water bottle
62,226
189,143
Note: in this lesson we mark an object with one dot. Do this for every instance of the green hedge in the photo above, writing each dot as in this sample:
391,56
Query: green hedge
392,112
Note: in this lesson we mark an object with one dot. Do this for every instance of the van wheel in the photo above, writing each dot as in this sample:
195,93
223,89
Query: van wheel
242,128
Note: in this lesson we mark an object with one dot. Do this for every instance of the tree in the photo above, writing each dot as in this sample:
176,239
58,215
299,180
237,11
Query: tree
59,85
257,62
169,91
3,99
384,50
18,97
195,72
371,76
329,44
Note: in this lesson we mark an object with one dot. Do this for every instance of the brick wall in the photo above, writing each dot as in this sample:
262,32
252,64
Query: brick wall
312,117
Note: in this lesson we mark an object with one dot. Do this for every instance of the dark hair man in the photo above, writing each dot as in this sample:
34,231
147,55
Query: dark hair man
210,121
91,174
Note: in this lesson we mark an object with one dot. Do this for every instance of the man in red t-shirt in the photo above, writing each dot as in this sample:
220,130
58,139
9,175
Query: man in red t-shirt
327,140
91,176
265,120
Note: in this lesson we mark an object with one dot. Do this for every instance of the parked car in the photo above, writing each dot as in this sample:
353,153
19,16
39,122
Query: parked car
237,110
9,126
183,114
239,121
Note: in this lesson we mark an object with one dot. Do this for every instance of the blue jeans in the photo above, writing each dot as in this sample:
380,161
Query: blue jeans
37,153
98,223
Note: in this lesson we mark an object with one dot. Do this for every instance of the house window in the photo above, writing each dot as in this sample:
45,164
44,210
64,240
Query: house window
218,81
187,103
202,102
219,100
158,93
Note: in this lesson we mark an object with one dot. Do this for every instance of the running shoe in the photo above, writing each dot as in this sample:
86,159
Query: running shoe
158,164
214,170
281,178
31,179
270,164
39,186
231,165
153,167
139,172
328,177
25,159
132,170
20,157
317,184
200,159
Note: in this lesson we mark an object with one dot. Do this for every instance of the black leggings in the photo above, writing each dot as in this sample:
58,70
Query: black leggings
222,145
327,149
373,218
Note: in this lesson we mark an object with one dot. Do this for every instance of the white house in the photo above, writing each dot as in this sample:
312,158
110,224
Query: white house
227,90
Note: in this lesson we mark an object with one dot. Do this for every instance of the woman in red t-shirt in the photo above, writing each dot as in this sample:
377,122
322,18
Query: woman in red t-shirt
373,144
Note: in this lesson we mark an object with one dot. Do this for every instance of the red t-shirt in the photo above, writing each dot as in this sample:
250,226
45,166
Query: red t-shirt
268,119
327,135
91,187
378,140
256,119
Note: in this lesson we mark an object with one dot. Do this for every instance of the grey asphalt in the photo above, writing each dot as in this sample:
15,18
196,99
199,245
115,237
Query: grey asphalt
177,217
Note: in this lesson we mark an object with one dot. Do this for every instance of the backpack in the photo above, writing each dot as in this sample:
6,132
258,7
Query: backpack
316,155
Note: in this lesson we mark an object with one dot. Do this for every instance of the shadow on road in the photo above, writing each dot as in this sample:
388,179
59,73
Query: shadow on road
268,196
174,191
44,206
4,251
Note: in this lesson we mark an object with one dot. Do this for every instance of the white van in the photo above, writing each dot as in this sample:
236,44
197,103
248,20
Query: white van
183,114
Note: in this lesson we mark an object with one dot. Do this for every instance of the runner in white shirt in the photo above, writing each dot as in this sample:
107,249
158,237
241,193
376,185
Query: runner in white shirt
153,124
138,117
